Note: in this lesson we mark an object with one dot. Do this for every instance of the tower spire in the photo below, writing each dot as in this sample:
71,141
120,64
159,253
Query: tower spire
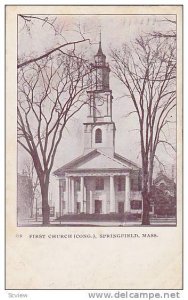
100,47
100,36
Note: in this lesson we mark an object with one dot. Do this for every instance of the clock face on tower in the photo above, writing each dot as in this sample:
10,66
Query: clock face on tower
100,100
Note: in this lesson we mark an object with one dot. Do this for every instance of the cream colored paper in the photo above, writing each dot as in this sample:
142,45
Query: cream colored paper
87,263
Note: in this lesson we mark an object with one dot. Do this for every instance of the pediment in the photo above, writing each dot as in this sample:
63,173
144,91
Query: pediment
97,160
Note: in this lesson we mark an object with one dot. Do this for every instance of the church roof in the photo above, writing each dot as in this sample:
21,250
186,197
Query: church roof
162,177
97,160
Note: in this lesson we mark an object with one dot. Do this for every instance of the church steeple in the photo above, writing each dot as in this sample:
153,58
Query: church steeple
99,129
100,70
100,52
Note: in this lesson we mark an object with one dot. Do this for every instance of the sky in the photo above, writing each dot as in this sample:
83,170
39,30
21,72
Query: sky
115,30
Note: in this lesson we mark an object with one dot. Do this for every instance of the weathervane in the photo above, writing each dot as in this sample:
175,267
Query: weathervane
100,34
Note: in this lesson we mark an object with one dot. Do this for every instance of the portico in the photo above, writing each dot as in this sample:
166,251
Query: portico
95,192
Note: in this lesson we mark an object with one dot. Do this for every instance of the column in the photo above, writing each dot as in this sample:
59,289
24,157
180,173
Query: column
112,196
82,193
60,197
104,205
84,210
72,196
66,195
127,206
69,195
91,202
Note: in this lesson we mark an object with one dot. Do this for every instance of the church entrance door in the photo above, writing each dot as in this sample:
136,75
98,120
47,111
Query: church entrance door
98,206
120,207
78,207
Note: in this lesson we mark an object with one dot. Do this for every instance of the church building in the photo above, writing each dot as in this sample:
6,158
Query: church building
100,181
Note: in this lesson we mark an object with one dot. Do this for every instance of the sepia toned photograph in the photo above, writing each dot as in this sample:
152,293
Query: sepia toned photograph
96,120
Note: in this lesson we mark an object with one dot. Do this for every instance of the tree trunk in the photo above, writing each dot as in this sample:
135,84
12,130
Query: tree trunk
31,215
45,205
146,207
145,196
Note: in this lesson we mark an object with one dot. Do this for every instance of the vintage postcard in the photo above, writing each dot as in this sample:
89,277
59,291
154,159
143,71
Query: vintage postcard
94,147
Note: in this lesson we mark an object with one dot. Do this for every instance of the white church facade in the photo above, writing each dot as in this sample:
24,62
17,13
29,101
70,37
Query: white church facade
100,181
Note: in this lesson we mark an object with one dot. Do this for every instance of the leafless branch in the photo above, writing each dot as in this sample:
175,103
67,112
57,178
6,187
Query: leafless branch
48,53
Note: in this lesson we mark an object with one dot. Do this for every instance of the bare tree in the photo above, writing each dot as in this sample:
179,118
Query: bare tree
29,170
46,20
166,34
30,20
50,52
147,69
49,94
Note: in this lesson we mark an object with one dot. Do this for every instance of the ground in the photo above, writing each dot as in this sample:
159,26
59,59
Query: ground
97,221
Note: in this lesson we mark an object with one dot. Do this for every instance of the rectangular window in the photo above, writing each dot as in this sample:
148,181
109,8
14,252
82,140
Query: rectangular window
120,183
134,184
62,184
99,184
136,181
61,188
77,184
136,204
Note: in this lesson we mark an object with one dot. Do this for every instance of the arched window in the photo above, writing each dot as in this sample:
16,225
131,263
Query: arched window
98,136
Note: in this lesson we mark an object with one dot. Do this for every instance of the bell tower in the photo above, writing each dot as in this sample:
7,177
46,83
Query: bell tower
99,129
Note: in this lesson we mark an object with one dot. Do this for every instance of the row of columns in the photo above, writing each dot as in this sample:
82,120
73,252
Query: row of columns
69,195
127,195
71,207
